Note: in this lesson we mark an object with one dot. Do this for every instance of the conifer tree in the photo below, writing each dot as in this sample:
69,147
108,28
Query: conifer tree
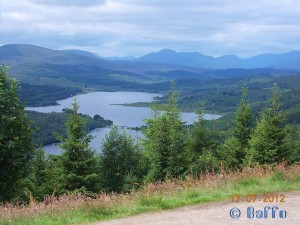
234,150
78,159
268,143
164,141
202,142
119,161
228,153
294,144
206,162
199,135
243,123
16,147
40,176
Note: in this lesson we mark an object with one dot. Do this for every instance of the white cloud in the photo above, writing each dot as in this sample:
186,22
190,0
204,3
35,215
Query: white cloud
76,3
136,27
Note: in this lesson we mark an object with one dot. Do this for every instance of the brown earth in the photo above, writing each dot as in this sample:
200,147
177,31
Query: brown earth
216,213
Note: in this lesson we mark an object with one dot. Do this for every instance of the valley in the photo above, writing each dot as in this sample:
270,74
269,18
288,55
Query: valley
48,76
149,112
107,104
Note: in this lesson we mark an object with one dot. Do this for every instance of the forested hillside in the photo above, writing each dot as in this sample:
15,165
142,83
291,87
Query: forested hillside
168,150
113,108
43,95
264,111
47,124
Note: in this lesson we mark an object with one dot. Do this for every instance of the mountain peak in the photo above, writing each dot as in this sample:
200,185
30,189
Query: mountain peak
81,53
166,50
15,54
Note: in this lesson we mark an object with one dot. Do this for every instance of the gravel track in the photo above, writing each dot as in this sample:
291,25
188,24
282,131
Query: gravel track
216,213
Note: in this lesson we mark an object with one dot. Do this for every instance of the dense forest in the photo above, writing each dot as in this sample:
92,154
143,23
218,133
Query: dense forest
219,95
47,124
42,95
168,150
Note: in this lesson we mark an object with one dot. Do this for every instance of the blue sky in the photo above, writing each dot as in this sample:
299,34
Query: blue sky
137,27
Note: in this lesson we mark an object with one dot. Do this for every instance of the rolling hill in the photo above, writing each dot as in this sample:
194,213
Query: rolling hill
49,75
81,69
288,60
42,66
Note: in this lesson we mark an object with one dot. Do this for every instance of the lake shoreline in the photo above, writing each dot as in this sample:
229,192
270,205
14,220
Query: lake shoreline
110,105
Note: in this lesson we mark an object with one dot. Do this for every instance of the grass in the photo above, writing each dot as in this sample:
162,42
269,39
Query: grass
80,209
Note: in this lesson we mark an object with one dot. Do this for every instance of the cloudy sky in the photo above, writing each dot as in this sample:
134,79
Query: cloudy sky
137,27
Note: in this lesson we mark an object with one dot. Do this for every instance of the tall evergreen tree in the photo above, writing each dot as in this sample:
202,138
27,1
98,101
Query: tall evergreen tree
268,143
164,141
202,143
294,144
199,135
78,159
40,176
243,123
206,162
234,150
119,161
16,148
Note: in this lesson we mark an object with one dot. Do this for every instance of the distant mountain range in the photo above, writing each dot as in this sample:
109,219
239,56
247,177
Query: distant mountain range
288,60
20,54
285,61
77,68
82,53
14,54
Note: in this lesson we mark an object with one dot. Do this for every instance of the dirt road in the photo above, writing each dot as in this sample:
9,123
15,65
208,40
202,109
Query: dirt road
218,213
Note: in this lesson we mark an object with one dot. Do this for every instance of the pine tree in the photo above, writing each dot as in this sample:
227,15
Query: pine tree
234,150
243,123
164,141
119,161
40,176
268,143
199,135
78,159
16,147
294,144
228,153
206,162
55,174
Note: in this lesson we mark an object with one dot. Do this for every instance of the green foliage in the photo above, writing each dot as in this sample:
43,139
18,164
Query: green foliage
55,175
164,199
43,95
119,162
48,176
223,95
54,122
268,143
294,144
164,142
78,159
243,124
229,153
205,163
170,149
199,135
16,147
40,175
234,149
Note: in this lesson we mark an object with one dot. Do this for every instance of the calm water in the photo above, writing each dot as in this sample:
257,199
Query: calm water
102,103
98,135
